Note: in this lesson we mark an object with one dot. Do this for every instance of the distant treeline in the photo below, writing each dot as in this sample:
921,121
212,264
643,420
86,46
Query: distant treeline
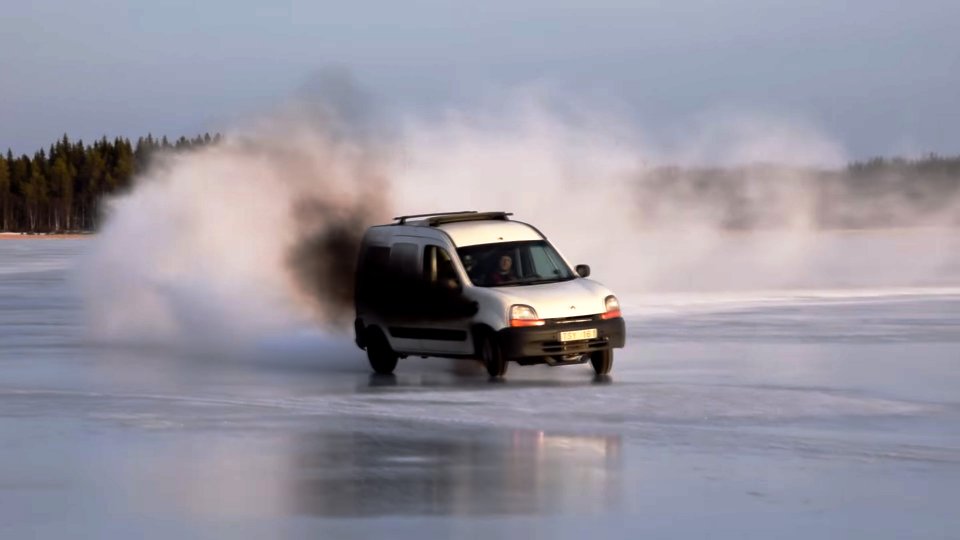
60,189
878,193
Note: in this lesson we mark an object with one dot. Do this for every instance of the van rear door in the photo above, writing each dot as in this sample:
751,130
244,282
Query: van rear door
396,306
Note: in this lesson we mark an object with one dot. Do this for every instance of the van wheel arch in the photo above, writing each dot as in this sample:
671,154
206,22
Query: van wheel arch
382,358
373,332
360,333
489,352
479,331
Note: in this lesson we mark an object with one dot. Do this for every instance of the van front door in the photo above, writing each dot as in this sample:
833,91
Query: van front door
446,312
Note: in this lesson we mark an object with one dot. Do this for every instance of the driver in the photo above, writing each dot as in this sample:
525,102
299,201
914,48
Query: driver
504,271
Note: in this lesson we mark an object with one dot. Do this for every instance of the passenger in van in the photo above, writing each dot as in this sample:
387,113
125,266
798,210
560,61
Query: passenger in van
504,271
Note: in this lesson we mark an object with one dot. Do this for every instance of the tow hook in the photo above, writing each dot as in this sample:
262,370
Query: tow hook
568,359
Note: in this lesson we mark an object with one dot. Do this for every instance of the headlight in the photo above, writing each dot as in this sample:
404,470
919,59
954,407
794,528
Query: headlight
523,315
611,308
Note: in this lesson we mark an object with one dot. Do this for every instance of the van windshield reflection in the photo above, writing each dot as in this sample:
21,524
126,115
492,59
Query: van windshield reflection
514,263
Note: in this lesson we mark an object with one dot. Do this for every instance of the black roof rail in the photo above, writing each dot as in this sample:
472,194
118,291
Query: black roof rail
471,216
403,219
440,218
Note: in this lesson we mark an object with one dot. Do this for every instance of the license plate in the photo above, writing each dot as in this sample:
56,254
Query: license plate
576,335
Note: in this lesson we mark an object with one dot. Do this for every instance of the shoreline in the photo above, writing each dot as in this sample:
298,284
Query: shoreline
652,231
43,236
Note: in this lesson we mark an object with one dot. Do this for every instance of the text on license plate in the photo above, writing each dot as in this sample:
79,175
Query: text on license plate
574,335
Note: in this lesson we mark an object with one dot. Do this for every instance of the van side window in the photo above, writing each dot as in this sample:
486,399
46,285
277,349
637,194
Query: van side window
376,259
387,278
372,270
438,267
403,260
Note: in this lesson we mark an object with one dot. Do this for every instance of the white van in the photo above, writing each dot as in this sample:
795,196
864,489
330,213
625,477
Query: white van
479,285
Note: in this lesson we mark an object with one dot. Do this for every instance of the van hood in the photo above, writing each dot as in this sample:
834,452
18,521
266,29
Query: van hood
571,298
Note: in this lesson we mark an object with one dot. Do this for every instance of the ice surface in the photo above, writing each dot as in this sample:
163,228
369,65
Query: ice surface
787,414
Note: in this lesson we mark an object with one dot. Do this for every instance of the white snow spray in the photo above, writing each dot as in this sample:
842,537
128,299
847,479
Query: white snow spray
237,240
656,218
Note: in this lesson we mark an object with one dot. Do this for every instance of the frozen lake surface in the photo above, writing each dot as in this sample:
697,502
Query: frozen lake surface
821,414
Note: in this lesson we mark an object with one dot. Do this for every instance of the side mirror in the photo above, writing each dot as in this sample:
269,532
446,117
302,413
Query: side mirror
451,285
583,270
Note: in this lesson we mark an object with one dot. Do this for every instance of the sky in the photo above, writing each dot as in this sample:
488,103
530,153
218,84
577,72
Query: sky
881,77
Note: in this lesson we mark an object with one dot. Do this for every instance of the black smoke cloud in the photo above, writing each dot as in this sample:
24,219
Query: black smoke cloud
246,237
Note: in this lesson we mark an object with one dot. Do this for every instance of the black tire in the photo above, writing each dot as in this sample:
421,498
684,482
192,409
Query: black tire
602,361
492,357
382,358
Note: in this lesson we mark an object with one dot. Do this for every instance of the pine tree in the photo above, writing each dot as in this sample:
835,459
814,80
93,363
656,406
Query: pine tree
61,189
19,175
94,172
35,191
124,164
5,194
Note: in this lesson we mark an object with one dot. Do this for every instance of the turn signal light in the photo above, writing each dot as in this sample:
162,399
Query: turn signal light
612,307
526,322
522,316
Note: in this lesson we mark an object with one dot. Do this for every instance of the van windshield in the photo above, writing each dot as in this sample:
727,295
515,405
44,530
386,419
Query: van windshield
514,263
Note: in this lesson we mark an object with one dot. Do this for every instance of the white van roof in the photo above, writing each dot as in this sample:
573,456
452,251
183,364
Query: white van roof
472,228
470,233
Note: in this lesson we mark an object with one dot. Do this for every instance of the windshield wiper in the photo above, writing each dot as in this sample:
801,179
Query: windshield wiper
546,280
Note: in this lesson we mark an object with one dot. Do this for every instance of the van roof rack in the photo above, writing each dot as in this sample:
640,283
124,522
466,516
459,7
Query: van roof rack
439,218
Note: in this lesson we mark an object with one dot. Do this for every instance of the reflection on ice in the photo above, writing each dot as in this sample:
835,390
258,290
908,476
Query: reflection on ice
530,472
362,472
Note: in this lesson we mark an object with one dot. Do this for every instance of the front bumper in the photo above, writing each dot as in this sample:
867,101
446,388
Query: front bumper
545,340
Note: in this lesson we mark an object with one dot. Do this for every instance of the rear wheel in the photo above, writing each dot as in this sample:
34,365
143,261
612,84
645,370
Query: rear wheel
492,357
382,358
602,361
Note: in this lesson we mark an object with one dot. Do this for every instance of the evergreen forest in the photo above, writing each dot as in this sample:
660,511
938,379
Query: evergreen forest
61,189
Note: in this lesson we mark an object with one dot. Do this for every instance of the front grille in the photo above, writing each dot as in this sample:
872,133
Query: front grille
572,320
564,347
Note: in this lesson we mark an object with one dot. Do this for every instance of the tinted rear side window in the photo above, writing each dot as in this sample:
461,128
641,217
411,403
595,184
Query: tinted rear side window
403,260
387,280
372,270
376,258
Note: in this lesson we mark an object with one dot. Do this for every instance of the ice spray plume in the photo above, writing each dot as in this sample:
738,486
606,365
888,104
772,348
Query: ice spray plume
238,239
649,219
259,233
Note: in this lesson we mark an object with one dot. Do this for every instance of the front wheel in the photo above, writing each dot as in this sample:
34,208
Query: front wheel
492,357
382,358
602,361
